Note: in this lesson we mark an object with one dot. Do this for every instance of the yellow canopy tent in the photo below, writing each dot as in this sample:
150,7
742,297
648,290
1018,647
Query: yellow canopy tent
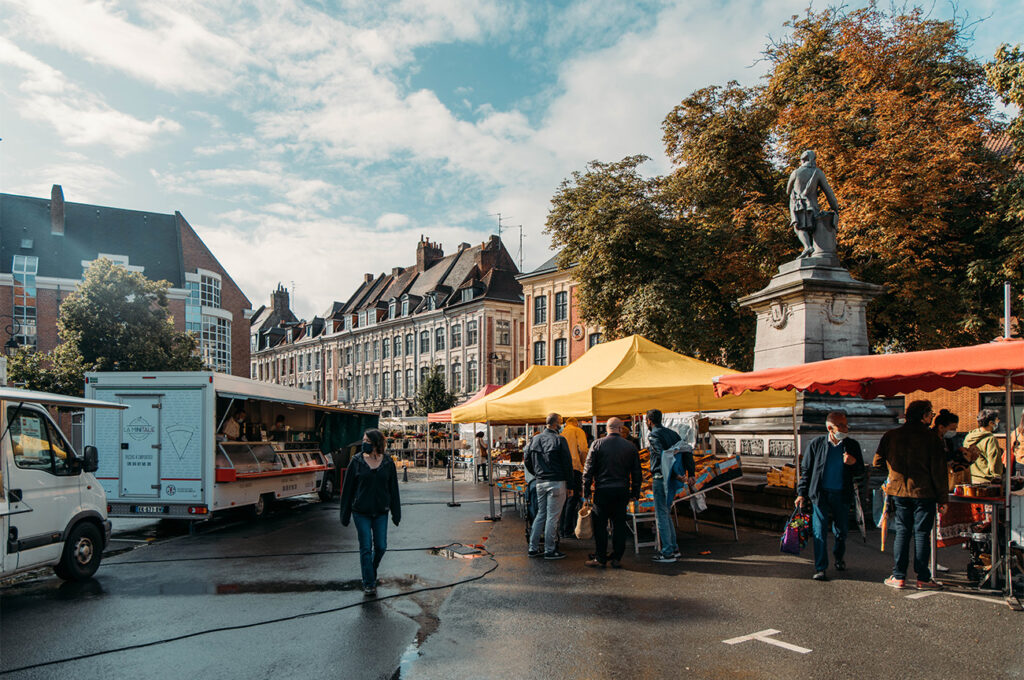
477,411
627,376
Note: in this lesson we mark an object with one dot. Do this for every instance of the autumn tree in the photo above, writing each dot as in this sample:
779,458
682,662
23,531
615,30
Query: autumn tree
1005,74
115,320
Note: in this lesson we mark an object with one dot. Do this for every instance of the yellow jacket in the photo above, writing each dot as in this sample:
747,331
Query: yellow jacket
577,441
989,465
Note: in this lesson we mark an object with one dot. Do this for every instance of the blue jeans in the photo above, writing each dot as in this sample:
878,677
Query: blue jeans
663,518
550,498
914,518
829,511
373,541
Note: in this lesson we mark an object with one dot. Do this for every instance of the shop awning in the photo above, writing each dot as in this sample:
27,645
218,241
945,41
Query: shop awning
445,416
477,411
890,374
15,394
623,377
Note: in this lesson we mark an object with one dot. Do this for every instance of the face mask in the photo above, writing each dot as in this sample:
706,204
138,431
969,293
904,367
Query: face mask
949,434
838,436
367,447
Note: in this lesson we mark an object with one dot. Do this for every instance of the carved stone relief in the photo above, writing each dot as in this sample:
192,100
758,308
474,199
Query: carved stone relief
778,314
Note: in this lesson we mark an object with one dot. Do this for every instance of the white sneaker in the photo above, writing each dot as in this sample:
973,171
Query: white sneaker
661,559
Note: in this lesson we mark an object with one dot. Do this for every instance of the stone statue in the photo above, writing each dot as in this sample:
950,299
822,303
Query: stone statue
815,229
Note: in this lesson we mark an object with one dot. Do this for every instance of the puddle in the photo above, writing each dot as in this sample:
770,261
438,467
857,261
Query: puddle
458,552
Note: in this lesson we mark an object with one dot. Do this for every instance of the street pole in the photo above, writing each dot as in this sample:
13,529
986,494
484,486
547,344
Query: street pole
1008,555
494,517
451,466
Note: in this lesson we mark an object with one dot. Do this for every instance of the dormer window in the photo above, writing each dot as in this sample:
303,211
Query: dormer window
405,306
392,308
431,301
467,294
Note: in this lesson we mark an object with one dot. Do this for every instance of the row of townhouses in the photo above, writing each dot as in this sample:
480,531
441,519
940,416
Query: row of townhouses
471,313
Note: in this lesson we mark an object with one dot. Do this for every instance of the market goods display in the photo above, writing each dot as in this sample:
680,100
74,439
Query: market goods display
710,470
516,481
784,477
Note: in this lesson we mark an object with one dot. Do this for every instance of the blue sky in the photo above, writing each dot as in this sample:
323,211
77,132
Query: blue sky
312,141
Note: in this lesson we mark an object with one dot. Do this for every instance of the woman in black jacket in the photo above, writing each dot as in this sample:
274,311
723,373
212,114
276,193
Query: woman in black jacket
369,492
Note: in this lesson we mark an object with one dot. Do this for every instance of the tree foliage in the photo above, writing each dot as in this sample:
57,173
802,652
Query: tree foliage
115,320
1006,76
432,395
899,115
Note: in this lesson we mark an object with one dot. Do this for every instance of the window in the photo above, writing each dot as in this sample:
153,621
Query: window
392,309
594,339
193,309
997,401
456,381
385,348
366,387
356,392
366,351
456,335
503,332
561,306
424,342
385,385
398,346
561,352
376,385
501,371
471,375
540,353
24,272
405,307
410,382
424,372
209,291
329,355
300,362
356,348
215,343
540,309
410,344
329,396
36,444
439,339
471,333
398,384
348,356
467,294
431,301
376,350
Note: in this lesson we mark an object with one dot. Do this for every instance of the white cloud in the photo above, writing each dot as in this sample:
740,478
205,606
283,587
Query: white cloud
392,221
315,194
79,117
82,180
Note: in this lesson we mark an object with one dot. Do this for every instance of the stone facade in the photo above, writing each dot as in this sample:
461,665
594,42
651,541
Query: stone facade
556,333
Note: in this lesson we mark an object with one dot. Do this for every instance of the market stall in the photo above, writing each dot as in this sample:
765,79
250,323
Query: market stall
999,363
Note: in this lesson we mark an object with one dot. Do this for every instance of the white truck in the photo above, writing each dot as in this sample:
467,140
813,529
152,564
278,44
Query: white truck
175,454
52,509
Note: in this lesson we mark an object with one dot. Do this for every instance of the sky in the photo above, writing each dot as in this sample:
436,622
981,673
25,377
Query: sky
311,141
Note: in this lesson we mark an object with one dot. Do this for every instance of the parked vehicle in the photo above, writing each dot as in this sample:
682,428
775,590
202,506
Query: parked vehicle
53,511
178,453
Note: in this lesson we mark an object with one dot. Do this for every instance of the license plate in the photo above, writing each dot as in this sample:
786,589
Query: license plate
150,509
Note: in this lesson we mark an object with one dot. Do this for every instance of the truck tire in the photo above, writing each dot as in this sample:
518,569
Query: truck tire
83,549
262,506
327,488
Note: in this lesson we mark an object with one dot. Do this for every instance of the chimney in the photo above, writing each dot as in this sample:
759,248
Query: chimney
57,210
279,300
427,254
397,271
367,278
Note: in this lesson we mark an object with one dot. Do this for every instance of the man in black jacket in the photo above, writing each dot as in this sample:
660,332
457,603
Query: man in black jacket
613,468
547,458
827,470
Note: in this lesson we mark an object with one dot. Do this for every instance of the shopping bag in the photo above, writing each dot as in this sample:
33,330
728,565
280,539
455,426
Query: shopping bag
699,503
584,527
794,537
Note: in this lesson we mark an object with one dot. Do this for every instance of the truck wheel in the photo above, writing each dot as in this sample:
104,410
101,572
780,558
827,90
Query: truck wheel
83,549
327,489
262,505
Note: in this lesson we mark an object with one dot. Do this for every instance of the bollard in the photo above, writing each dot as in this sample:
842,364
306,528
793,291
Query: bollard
405,473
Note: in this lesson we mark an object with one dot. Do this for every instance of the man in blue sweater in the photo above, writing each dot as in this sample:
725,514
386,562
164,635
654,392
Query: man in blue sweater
827,470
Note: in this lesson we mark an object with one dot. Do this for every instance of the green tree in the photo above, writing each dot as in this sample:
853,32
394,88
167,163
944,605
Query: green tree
432,395
1005,74
115,320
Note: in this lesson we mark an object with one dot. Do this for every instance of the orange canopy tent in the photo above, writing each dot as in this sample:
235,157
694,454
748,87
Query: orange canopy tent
991,364
445,416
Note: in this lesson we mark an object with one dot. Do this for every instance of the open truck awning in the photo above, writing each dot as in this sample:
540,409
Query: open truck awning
48,399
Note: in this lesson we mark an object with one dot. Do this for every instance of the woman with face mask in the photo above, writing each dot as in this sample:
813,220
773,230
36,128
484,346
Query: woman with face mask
369,493
946,426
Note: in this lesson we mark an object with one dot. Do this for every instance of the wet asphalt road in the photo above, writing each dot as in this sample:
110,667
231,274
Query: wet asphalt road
527,619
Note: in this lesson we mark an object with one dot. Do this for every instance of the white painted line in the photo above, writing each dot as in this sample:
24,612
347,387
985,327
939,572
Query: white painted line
765,636
927,593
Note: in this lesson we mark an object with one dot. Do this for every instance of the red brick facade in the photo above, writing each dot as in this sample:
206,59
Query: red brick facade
574,329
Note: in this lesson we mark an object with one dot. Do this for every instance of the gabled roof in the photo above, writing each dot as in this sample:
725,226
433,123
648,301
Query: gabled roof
550,266
150,240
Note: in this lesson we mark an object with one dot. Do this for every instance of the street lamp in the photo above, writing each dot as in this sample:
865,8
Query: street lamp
12,346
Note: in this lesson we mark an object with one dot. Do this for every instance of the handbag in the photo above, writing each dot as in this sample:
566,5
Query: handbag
699,503
794,537
584,526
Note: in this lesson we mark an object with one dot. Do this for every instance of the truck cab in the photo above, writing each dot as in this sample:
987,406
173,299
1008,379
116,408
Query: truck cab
53,511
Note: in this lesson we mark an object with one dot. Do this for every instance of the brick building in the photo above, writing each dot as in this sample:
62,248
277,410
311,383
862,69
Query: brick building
47,244
462,312
556,333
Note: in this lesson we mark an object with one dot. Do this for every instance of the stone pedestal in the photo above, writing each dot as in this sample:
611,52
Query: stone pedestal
811,310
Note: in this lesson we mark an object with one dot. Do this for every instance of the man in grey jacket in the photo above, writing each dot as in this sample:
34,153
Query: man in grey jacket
547,458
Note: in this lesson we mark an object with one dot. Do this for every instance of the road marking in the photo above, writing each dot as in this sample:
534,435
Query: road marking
765,636
928,593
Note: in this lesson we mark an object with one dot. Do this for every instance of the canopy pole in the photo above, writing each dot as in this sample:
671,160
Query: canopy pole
494,517
796,445
451,462
1007,556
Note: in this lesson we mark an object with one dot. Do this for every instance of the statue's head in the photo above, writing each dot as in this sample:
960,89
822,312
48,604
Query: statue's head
807,157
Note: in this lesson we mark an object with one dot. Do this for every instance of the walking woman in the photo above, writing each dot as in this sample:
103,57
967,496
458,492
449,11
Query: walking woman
369,492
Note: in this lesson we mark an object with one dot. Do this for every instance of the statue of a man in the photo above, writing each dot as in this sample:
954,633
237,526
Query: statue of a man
802,188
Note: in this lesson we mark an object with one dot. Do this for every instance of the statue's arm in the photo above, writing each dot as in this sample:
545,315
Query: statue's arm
789,184
833,203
